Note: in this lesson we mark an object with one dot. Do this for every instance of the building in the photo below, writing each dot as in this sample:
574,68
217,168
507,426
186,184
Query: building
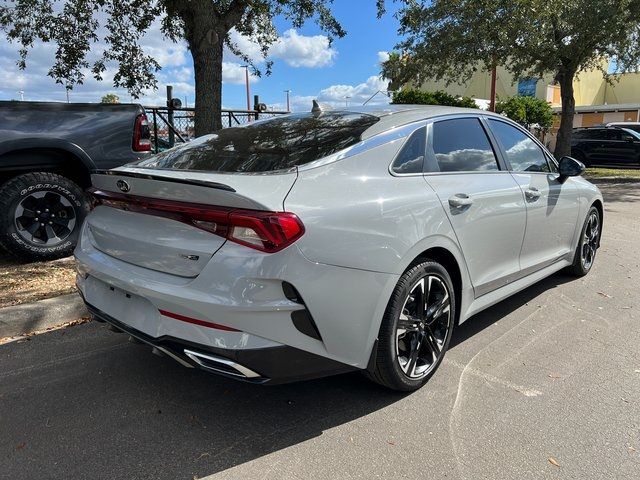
598,102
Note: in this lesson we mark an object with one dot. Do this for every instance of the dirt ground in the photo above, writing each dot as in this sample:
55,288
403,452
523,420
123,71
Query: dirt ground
27,282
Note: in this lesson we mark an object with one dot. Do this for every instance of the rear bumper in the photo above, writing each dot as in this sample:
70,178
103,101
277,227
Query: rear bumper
271,365
242,289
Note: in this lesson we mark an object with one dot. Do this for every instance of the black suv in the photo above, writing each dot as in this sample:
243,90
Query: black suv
606,146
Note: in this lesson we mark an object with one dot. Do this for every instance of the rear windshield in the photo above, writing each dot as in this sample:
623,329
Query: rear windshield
276,144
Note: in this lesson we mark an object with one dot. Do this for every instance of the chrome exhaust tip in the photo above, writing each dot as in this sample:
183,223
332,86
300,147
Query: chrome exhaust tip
221,365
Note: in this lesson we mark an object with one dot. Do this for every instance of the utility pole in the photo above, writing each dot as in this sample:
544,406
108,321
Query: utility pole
346,101
288,92
494,76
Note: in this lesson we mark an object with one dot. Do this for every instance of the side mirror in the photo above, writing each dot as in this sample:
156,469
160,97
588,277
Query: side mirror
570,167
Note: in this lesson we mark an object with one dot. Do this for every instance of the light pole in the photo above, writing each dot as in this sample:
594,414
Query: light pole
288,92
246,78
346,101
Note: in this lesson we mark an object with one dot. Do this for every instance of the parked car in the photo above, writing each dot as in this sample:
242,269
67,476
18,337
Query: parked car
606,146
47,154
324,242
635,126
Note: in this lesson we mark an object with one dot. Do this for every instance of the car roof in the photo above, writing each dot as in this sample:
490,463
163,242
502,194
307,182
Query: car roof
392,116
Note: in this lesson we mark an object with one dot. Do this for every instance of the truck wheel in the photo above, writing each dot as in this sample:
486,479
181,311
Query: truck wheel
41,215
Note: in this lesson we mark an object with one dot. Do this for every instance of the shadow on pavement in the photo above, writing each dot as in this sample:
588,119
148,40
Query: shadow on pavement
99,407
488,317
85,403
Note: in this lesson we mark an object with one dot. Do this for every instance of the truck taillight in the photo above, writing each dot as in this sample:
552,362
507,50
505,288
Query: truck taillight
141,134
265,231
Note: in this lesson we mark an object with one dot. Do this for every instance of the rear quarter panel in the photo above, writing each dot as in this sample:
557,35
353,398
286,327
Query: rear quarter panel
357,215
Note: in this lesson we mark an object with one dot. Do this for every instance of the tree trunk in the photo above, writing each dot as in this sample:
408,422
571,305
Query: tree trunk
563,142
207,65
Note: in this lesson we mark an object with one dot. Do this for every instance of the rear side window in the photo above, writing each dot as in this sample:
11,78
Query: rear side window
276,144
411,156
523,153
460,145
601,134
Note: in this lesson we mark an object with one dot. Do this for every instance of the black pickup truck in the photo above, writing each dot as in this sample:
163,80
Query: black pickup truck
47,154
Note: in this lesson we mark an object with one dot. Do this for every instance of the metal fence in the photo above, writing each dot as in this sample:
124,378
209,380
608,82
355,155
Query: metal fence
176,125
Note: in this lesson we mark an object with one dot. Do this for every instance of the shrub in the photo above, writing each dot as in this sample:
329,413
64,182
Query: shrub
527,111
420,97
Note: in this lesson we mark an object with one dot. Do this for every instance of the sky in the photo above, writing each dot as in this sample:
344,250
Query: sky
303,61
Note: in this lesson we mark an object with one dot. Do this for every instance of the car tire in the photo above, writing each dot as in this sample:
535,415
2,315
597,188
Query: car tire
588,244
40,216
429,334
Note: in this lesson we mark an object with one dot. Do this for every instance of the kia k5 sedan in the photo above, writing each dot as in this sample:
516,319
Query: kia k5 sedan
323,242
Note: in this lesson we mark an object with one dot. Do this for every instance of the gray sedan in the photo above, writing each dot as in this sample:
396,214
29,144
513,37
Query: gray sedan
329,241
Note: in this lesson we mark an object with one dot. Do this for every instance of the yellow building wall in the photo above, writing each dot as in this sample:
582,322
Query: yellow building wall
590,88
625,88
479,86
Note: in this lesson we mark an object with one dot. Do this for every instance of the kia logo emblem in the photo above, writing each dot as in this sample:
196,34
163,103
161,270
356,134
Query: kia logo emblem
123,186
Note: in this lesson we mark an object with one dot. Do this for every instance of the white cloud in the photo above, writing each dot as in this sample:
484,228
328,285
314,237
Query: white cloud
235,73
334,96
303,51
246,45
383,57
292,48
358,94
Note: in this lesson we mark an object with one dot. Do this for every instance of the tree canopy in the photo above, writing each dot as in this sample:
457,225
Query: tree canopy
452,39
74,26
110,98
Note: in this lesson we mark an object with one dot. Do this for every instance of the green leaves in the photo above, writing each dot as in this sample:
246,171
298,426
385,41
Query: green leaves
420,97
75,26
527,111
450,40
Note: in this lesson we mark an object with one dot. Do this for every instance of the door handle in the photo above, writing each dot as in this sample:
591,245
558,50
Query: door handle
532,193
460,200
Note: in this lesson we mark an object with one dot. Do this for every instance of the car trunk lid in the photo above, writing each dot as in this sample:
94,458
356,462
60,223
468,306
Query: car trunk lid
172,221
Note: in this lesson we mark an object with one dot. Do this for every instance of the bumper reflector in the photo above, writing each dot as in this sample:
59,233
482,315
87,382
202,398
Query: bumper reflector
195,321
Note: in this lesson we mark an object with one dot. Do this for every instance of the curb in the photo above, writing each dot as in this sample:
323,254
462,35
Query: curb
612,180
40,315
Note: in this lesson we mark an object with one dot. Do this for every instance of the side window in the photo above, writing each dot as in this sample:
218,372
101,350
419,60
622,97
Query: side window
612,134
523,153
580,134
460,145
627,137
411,156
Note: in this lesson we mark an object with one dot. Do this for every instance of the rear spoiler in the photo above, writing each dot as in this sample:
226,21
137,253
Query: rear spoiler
200,183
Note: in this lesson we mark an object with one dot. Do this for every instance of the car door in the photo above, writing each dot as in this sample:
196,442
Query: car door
552,206
630,146
481,199
607,146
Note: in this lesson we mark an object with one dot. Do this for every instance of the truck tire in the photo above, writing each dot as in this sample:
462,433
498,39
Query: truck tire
40,216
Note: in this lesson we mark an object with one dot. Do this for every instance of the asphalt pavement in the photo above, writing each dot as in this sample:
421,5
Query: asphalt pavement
543,385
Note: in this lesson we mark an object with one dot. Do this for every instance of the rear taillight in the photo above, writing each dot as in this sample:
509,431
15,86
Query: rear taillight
141,134
265,231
